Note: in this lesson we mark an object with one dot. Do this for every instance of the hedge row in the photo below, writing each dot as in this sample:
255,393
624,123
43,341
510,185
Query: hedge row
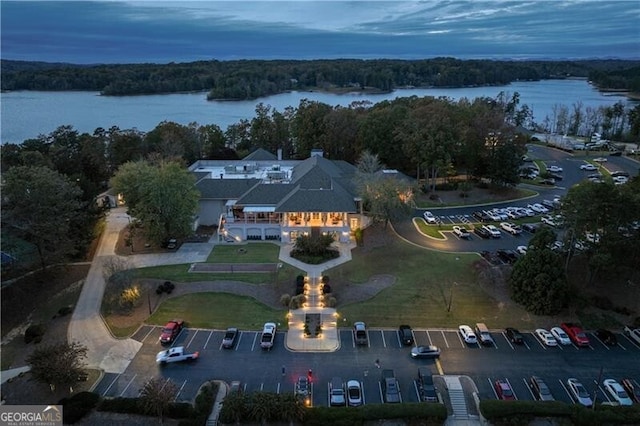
429,414
522,412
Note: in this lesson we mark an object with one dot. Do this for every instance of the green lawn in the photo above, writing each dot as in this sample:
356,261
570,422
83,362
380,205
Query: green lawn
420,297
217,310
245,253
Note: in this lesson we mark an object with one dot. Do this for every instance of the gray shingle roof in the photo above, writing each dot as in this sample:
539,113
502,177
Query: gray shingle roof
327,166
224,188
265,194
260,155
316,200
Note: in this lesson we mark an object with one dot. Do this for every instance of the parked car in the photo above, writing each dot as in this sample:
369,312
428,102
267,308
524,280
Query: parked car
521,250
588,167
546,337
430,218
576,334
619,173
606,337
461,232
336,392
406,335
390,388
548,181
170,331
560,336
549,204
354,393
514,335
600,160
548,220
481,232
303,390
632,333
554,176
425,352
530,227
176,354
511,228
491,229
481,216
426,387
507,256
538,208
467,334
230,337
617,392
554,169
633,389
579,392
360,333
540,389
504,391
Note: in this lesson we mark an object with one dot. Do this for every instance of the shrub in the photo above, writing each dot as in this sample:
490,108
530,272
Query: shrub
297,301
326,289
65,310
331,302
34,333
120,405
285,300
325,279
179,410
602,302
77,406
129,297
300,280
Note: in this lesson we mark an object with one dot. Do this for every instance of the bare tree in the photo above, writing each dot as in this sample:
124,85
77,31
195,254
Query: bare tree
60,364
156,395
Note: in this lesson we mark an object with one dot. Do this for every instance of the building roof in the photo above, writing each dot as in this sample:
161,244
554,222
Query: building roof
224,188
260,155
336,199
265,194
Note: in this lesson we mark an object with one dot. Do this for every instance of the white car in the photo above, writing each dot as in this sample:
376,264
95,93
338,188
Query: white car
175,354
467,334
491,229
527,211
538,208
600,160
560,336
548,220
354,393
588,167
493,215
579,392
546,337
511,228
500,213
461,232
429,217
521,250
617,392
592,238
554,169
620,180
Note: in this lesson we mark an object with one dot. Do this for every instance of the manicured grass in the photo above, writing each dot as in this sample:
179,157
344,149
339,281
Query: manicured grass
422,292
426,203
431,230
181,273
218,310
245,253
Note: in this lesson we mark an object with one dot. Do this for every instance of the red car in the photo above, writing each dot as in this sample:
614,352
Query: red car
504,391
171,331
575,333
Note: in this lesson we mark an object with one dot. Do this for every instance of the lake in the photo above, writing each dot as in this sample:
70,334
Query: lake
27,114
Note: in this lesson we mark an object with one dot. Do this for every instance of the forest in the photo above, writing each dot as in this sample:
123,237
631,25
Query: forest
251,79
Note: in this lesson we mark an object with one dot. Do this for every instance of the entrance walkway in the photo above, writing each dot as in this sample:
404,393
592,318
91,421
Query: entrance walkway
328,340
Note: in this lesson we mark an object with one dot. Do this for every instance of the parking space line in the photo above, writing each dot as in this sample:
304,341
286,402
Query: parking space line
493,388
399,340
622,347
147,335
505,338
415,343
278,388
207,341
253,345
429,337
238,342
128,384
380,390
539,342
525,343
111,384
631,341
362,391
194,336
439,367
524,379
444,337
384,343
567,391
605,393
261,386
512,390
461,341
179,391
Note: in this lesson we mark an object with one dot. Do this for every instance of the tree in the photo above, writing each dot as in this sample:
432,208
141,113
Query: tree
59,364
538,281
42,206
156,396
162,197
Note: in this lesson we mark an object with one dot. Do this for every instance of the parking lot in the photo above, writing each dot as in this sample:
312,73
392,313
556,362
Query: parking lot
277,370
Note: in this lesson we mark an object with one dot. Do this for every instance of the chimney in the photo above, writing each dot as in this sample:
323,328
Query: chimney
279,154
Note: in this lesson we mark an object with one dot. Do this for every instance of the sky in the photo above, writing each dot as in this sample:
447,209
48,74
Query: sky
165,31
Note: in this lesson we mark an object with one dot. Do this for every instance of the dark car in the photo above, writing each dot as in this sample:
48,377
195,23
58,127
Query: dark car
540,389
548,182
530,227
481,216
607,337
482,233
507,256
230,337
633,389
555,176
616,154
426,386
406,335
171,331
514,336
619,173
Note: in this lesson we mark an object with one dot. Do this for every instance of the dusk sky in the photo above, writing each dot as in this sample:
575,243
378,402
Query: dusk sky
162,31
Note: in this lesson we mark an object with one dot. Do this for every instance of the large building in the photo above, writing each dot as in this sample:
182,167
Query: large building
263,197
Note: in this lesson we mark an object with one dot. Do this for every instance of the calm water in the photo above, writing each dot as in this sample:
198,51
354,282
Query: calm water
28,114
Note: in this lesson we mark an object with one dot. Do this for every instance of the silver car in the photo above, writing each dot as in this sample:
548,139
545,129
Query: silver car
579,392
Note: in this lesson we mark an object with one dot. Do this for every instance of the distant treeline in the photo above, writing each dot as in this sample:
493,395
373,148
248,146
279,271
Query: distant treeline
251,79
